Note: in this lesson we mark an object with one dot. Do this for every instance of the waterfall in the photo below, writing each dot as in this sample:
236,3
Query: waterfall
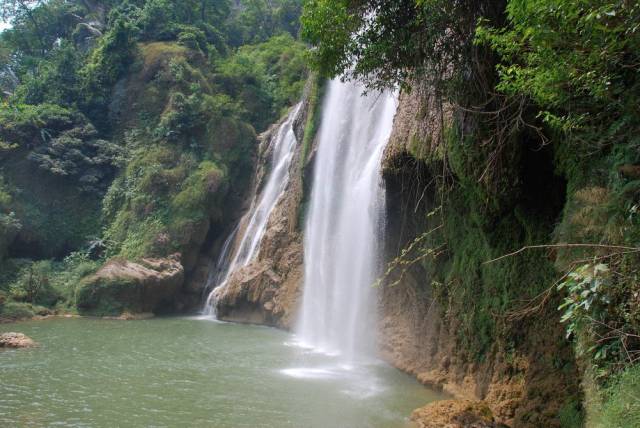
249,233
343,230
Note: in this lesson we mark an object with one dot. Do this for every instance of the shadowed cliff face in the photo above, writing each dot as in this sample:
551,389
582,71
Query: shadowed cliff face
526,375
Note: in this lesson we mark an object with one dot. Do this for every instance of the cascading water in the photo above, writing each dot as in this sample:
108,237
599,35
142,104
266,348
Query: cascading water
342,234
250,232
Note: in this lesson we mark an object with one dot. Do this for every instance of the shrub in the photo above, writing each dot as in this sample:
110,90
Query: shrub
16,311
69,274
23,125
192,38
33,285
266,78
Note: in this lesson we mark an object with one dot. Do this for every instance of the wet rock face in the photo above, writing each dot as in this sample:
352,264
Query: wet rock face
16,340
267,290
149,285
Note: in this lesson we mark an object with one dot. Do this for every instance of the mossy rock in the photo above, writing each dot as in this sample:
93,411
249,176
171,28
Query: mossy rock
124,286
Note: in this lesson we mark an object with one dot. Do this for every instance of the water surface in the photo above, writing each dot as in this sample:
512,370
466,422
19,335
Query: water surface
182,372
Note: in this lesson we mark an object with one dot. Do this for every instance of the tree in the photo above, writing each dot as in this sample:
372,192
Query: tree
388,42
578,60
21,10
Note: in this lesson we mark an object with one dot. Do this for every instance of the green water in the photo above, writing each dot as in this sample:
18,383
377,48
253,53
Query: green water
181,372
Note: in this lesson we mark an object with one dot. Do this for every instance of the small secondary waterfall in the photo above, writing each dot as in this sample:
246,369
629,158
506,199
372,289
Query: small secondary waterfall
342,234
245,240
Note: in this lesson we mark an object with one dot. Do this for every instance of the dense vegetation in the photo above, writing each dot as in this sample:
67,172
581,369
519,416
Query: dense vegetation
128,129
540,147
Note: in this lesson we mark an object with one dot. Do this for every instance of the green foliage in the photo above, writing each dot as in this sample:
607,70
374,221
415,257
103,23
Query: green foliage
189,144
33,285
196,115
313,115
55,80
386,43
193,38
199,192
162,19
143,98
577,60
46,284
133,202
259,20
106,64
598,313
37,26
78,155
9,224
60,142
16,311
153,208
265,78
585,299
53,161
620,407
480,294
571,415
31,125
69,274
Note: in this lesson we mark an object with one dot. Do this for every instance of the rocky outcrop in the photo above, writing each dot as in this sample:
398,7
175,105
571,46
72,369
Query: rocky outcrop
120,286
418,127
455,414
267,290
16,340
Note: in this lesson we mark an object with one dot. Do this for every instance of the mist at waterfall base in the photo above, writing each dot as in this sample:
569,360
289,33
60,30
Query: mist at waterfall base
244,242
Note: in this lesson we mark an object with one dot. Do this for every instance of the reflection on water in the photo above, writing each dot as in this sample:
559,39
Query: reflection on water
190,372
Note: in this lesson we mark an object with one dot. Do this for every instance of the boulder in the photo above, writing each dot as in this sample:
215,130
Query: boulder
122,286
16,340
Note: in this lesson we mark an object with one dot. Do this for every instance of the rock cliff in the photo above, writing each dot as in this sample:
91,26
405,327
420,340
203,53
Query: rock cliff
267,290
526,375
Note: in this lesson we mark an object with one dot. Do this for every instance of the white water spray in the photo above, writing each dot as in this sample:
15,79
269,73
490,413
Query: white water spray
248,236
344,223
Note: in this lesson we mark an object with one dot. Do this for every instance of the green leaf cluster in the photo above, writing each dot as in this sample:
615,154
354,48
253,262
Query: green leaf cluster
577,60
